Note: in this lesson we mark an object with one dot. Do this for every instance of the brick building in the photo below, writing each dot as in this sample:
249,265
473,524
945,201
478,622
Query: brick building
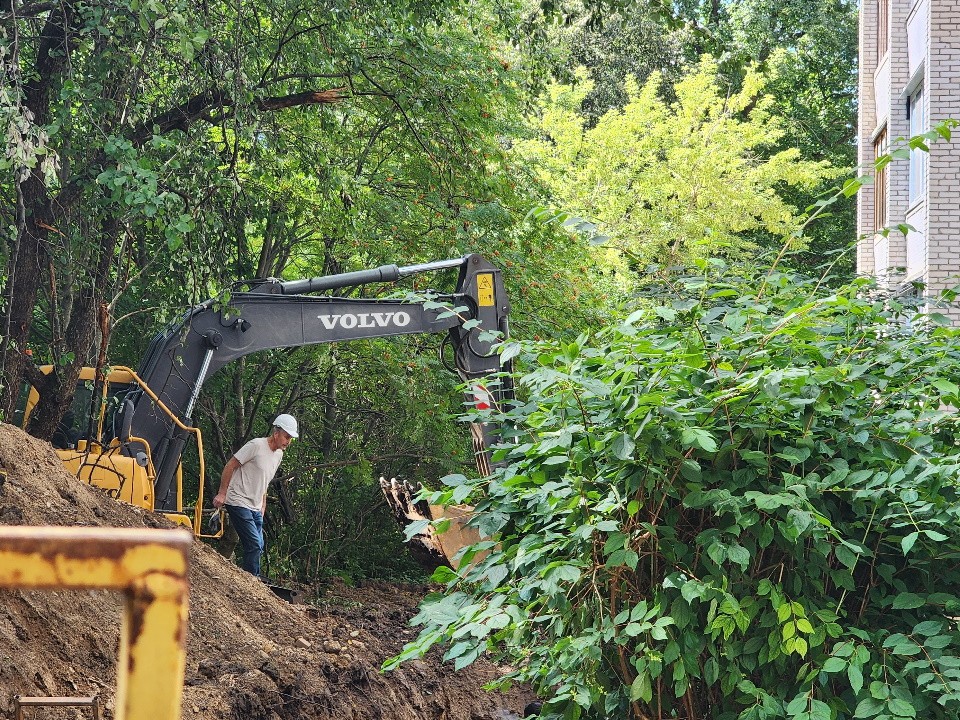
910,77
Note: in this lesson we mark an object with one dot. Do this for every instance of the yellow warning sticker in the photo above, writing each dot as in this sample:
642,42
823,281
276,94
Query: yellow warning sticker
485,289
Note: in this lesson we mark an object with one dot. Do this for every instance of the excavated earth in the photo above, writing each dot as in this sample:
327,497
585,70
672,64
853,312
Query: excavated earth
250,655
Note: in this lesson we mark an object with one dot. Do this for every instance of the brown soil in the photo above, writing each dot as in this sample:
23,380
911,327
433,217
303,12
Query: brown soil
250,655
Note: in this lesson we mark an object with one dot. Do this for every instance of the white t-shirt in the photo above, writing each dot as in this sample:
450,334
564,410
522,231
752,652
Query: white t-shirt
258,465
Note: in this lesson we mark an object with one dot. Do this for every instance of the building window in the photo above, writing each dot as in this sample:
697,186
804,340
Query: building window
918,157
880,183
883,28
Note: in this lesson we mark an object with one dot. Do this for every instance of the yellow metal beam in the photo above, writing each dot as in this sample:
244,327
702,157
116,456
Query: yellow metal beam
149,567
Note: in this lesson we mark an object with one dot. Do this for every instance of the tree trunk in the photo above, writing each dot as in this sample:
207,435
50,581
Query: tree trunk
715,13
329,407
79,338
20,292
25,269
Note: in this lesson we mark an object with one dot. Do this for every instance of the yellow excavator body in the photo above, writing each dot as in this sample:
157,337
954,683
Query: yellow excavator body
129,479
105,468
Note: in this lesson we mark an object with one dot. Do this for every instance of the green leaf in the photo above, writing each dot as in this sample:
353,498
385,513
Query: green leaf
667,313
852,186
443,575
739,555
698,438
415,528
868,708
633,629
764,501
907,648
798,705
623,557
794,455
693,590
907,601
623,446
454,480
717,552
846,556
901,708
946,387
928,627
711,671
641,688
855,676
819,710
564,573
834,665
907,542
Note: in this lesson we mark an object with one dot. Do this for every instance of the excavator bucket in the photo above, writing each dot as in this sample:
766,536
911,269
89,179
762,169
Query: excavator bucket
430,548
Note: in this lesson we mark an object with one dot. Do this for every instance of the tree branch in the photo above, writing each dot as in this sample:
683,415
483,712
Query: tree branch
200,106
310,97
30,10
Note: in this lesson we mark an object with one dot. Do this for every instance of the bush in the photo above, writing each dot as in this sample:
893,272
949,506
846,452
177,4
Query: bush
739,503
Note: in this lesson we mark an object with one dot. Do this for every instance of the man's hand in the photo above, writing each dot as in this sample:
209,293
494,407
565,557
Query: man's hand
219,499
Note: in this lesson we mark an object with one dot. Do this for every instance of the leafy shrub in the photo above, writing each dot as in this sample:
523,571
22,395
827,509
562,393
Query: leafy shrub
739,503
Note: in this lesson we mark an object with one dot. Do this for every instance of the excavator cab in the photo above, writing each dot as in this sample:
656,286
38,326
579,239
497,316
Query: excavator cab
90,439
96,411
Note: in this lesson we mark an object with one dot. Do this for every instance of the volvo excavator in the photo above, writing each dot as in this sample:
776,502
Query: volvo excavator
132,444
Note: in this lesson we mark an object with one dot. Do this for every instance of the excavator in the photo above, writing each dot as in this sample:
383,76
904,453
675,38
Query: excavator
132,443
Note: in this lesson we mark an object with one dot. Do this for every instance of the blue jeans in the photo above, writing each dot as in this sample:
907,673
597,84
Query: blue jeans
249,526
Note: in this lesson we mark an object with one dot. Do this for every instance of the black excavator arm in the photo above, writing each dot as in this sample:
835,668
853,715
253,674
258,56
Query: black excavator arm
280,314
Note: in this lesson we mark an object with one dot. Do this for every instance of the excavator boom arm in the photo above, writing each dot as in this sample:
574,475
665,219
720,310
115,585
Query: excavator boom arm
273,314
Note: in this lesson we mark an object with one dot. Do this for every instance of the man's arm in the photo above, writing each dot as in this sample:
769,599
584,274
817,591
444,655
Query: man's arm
228,470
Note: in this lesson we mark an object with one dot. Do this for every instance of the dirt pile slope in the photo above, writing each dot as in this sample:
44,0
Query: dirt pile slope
250,656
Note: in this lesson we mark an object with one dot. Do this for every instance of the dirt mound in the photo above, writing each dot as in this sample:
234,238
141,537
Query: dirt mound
250,656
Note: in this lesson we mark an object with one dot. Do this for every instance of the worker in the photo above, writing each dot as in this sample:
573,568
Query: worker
244,482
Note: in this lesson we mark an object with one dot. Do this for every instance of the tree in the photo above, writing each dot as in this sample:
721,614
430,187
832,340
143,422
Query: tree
633,43
105,86
136,120
806,50
809,52
737,503
675,181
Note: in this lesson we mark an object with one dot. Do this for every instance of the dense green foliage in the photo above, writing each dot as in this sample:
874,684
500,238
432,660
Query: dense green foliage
806,51
157,152
160,152
673,181
740,502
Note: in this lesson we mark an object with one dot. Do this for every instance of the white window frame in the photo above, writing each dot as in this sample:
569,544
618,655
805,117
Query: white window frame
883,29
881,146
917,110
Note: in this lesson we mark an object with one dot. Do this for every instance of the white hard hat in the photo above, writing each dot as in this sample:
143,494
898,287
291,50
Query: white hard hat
287,423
